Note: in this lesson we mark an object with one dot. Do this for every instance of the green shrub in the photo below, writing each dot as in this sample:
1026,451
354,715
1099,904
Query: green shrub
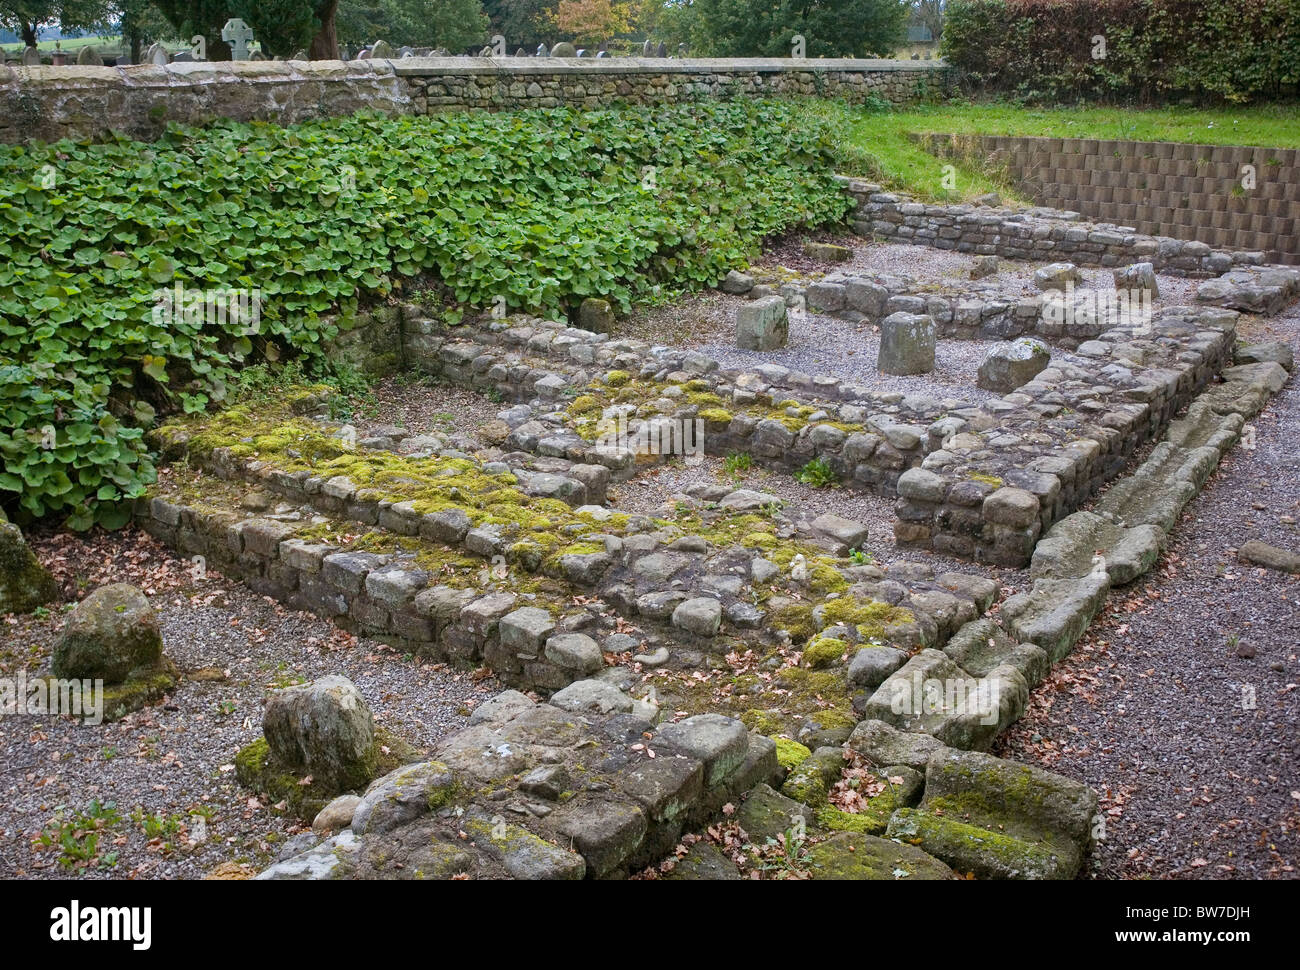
543,208
1044,50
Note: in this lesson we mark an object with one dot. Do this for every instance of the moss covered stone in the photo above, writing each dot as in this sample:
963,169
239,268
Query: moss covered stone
24,582
111,633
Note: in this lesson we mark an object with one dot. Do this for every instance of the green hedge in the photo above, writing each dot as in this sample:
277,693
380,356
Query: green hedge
542,208
1234,50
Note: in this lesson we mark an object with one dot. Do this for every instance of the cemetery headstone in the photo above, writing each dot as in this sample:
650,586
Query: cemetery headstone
183,56
406,52
2,57
364,54
381,48
647,49
542,51
158,56
683,50
520,53
89,55
255,56
31,57
600,54
238,35
582,52
301,55
662,51
564,49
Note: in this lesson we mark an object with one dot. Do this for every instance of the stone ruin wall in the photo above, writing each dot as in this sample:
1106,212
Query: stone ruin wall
78,101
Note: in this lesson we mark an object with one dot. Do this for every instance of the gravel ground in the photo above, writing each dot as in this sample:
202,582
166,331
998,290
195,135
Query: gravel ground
1180,706
822,345
172,761
423,406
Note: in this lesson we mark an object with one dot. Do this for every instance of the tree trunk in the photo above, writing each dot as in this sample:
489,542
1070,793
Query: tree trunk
29,35
325,45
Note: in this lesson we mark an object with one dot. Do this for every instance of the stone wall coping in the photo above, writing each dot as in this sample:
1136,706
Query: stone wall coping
206,71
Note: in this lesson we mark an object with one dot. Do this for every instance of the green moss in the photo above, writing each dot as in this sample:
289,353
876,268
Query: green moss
617,378
823,652
790,754
796,618
985,479
715,416
872,620
705,399
764,722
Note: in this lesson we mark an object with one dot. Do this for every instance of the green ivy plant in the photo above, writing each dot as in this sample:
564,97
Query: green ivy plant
542,208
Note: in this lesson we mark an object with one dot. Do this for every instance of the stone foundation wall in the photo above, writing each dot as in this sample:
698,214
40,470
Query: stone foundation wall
48,103
1033,234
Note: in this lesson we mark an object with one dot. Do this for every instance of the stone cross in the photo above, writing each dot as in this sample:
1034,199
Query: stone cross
31,57
238,35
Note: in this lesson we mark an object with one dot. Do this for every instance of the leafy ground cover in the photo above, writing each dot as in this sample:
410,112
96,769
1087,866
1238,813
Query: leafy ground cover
535,209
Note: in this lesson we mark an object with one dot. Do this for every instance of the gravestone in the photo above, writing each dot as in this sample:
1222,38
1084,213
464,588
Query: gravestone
520,53
255,56
406,52
582,52
88,55
683,50
2,57
762,324
124,60
662,50
364,54
301,55
564,49
381,48
182,56
31,57
238,35
542,51
600,54
158,56
647,49
906,344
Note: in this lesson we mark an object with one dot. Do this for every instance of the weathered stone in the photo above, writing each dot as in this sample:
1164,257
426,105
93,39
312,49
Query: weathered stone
336,815
574,651
855,856
24,583
109,634
762,324
701,616
325,728
907,342
1013,364
720,742
1270,557
596,315
591,696
1055,276
1139,277
737,283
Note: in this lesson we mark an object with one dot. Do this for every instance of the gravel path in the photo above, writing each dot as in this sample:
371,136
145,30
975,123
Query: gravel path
1181,705
176,760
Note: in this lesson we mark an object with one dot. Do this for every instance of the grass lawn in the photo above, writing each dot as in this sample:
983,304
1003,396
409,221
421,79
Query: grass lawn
67,44
875,143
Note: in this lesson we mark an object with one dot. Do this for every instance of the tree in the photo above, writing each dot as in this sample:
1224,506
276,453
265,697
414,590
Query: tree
141,23
930,13
591,21
830,28
279,26
26,18
453,24
523,23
